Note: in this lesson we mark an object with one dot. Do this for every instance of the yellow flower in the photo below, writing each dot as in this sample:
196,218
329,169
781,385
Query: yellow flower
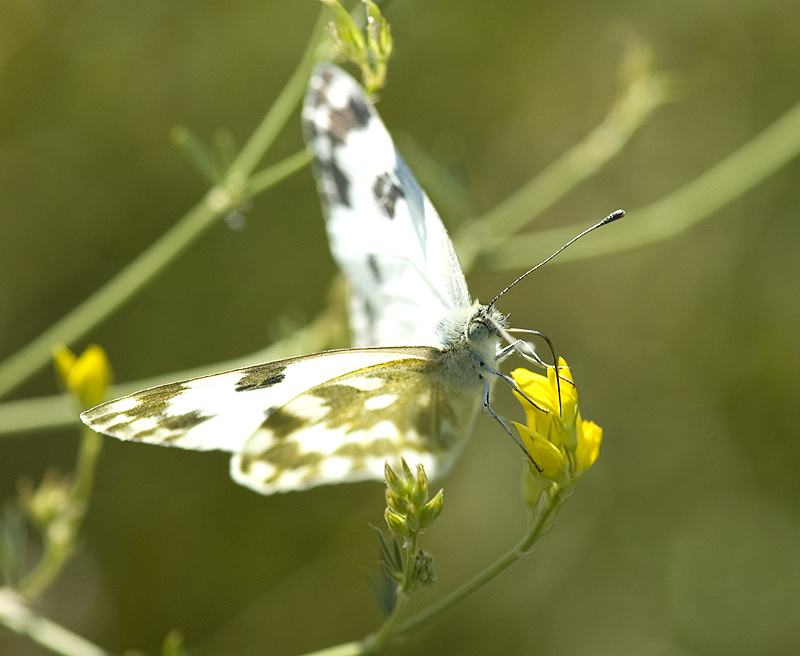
86,376
561,444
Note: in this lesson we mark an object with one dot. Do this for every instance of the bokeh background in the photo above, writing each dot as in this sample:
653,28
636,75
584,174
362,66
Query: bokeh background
685,536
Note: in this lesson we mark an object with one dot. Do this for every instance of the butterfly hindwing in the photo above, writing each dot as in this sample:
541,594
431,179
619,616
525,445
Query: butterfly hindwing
295,423
347,428
383,230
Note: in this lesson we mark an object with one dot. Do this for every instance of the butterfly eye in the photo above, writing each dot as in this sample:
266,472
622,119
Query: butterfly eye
477,331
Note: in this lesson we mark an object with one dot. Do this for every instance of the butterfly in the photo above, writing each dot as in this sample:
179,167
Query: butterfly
424,352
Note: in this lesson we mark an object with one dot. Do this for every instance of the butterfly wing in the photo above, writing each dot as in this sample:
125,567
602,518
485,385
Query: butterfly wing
384,232
292,424
222,411
348,428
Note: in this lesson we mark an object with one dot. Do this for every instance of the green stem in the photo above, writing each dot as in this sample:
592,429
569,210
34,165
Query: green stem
216,202
281,110
735,175
636,101
15,615
36,354
117,291
88,454
355,648
327,330
538,528
61,536
271,176
378,640
394,627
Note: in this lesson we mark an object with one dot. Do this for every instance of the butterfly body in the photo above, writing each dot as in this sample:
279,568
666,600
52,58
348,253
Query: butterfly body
425,352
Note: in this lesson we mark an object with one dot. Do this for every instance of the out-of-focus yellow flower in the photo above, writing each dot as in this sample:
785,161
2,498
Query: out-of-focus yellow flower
86,376
561,444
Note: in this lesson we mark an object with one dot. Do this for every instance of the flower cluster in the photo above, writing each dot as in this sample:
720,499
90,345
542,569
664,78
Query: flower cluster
409,508
561,445
370,54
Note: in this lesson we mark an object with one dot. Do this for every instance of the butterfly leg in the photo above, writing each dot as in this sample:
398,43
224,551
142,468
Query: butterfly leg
502,423
524,349
508,380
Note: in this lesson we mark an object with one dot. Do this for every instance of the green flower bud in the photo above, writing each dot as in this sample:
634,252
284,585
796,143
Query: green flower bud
397,524
396,502
379,36
345,33
419,493
431,510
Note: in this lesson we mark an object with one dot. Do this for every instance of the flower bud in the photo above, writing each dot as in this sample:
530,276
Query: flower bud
87,377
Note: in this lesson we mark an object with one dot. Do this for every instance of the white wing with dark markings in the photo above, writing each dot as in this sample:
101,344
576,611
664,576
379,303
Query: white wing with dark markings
383,230
339,416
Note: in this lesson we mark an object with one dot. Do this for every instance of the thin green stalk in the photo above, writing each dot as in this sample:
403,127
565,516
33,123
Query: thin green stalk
216,202
36,354
269,177
635,103
61,536
542,524
378,640
117,291
15,615
735,175
327,330
88,454
281,110
355,648
394,628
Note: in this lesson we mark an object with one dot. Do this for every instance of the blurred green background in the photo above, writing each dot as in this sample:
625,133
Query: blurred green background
685,536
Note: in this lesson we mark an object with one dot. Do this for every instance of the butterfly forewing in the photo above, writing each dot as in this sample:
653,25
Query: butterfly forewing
383,231
223,410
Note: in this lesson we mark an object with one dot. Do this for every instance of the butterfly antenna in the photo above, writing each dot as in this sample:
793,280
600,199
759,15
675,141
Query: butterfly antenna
611,217
555,367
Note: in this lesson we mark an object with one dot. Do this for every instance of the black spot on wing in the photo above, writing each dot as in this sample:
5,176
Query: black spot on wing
281,423
261,376
386,192
310,131
250,382
176,424
355,115
155,401
374,269
285,456
360,111
335,187
327,75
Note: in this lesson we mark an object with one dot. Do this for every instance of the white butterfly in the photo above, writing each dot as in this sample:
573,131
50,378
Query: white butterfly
426,352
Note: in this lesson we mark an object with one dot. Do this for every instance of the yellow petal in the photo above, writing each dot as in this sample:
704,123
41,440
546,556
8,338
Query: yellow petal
90,376
591,435
64,360
549,460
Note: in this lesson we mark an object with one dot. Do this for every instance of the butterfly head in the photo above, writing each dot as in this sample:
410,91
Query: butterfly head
485,323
